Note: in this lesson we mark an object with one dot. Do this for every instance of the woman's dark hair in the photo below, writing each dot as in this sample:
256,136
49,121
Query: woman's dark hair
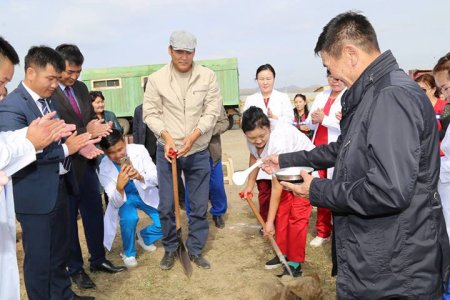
110,140
443,64
95,94
253,118
428,79
306,106
263,68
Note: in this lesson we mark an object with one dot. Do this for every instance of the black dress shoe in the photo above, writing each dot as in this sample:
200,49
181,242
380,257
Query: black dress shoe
107,267
76,297
82,280
168,260
219,221
200,261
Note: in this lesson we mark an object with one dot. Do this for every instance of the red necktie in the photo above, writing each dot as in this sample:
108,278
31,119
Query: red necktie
73,102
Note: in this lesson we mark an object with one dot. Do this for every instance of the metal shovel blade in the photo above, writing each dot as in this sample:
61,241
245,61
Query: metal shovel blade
183,256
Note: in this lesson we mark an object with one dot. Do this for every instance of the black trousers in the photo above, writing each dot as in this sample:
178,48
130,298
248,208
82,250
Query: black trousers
89,203
46,246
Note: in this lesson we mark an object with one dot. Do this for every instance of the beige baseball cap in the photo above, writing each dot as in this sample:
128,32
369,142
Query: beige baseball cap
183,40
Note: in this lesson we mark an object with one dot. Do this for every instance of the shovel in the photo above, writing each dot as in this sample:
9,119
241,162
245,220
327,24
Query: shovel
182,253
275,247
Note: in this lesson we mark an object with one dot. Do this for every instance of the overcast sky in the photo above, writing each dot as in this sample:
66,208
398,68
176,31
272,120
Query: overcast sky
280,32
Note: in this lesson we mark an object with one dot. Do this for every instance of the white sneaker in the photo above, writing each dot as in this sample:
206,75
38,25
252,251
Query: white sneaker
140,241
318,241
129,261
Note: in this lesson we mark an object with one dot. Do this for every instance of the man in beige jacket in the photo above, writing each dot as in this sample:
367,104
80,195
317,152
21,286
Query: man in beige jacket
181,106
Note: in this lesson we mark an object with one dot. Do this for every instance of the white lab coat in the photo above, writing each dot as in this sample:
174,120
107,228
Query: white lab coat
444,180
330,121
279,104
148,190
16,152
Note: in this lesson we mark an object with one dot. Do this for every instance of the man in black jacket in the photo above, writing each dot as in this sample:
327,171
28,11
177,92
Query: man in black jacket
389,232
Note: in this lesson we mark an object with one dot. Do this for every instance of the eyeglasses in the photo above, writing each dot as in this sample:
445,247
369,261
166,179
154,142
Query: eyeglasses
71,72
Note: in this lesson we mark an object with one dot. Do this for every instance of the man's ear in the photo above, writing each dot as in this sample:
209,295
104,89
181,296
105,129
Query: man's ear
30,73
351,53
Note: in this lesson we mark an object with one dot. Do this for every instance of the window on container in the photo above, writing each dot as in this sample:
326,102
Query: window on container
107,83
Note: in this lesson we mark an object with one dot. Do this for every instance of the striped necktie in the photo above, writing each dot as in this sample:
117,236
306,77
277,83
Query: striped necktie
45,110
44,106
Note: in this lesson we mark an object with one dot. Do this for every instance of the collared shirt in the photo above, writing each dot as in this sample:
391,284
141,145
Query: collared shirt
63,88
36,98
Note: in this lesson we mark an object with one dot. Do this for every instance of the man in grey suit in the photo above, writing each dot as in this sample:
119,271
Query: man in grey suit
74,106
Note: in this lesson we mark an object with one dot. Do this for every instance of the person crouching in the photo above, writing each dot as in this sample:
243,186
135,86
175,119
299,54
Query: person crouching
288,214
129,178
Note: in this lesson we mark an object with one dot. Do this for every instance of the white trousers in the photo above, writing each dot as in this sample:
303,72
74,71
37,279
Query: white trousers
9,271
444,192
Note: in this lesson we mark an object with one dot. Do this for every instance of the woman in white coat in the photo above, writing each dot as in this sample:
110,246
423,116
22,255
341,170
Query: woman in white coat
441,73
275,105
16,152
128,176
323,120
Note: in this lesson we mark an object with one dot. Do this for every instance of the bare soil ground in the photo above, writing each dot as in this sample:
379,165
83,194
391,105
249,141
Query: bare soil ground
237,255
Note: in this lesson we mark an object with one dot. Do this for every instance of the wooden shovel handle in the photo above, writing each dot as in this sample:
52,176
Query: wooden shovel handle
176,200
271,239
256,213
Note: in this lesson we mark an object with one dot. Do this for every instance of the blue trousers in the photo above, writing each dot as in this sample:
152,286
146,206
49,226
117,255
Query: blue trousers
217,194
129,219
196,173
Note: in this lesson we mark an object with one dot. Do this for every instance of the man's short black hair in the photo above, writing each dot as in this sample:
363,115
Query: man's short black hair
110,140
347,27
71,54
41,56
253,118
6,50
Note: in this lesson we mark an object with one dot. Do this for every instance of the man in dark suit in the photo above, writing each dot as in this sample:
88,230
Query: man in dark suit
142,134
40,189
74,107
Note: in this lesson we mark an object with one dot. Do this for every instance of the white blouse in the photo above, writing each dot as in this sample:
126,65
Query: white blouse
279,104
